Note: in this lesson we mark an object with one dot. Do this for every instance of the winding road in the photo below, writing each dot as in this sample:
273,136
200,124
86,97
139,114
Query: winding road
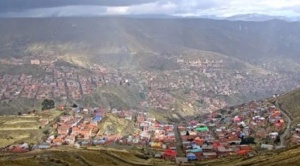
289,122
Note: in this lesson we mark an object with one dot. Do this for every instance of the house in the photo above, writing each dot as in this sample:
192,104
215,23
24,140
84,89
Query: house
169,154
267,146
207,148
195,149
128,116
191,156
24,146
57,141
35,62
43,145
210,155
97,119
99,141
242,152
18,149
202,128
273,135
157,155
261,133
156,145
295,139
224,151
236,119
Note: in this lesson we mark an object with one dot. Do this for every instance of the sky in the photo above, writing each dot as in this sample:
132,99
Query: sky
219,8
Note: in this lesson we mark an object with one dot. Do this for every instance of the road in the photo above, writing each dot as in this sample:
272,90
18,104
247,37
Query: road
179,147
289,122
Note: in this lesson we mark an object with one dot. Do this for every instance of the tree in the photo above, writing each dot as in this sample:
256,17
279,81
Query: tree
277,140
46,132
241,126
223,111
74,106
48,104
248,140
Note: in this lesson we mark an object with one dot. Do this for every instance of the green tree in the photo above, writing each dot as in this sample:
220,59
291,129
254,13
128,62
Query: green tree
48,104
277,140
248,140
46,132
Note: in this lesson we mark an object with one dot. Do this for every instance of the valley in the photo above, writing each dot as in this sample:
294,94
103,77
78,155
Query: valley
196,91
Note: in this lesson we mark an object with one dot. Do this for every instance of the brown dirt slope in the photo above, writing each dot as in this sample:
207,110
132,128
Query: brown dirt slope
74,157
290,103
279,157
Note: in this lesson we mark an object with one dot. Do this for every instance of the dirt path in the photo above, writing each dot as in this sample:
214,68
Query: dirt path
122,161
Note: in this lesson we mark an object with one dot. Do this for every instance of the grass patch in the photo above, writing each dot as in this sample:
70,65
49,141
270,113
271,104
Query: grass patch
28,69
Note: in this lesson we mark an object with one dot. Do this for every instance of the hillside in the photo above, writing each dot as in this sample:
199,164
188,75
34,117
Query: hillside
73,157
231,61
243,40
278,157
107,157
130,155
290,103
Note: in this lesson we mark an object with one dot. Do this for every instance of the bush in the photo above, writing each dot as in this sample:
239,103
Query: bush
48,104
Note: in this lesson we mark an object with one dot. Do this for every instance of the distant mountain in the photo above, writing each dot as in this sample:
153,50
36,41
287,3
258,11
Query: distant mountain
259,17
249,41
149,16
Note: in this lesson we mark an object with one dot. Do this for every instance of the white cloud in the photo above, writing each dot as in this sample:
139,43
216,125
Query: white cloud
117,10
215,7
279,4
148,8
221,8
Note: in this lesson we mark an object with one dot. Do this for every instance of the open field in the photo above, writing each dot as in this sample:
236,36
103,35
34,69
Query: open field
20,105
8,137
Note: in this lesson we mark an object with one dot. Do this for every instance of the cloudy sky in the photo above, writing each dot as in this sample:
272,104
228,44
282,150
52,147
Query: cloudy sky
221,8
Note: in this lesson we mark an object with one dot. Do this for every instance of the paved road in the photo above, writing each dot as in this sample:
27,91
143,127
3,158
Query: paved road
287,130
179,148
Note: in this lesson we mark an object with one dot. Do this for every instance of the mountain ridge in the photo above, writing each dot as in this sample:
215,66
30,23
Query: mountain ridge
250,39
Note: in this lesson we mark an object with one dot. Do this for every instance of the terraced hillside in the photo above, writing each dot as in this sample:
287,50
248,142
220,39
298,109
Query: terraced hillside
26,128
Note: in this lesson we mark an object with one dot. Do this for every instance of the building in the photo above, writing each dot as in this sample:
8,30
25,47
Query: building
97,119
35,62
